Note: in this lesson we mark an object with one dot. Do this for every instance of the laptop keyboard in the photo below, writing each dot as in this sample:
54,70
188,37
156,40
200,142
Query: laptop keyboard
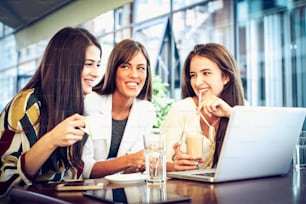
210,174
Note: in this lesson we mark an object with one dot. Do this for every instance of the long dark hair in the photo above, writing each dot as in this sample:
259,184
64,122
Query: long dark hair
233,90
59,87
123,52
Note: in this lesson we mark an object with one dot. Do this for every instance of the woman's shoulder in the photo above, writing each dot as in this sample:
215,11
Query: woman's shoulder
25,93
95,98
95,102
23,98
145,110
25,101
184,104
92,95
144,104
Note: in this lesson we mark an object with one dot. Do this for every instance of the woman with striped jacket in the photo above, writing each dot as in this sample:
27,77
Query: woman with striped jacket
40,135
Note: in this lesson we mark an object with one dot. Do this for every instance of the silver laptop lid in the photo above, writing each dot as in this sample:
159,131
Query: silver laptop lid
259,142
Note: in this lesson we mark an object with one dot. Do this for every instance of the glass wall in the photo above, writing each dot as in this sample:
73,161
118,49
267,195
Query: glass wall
209,21
272,51
268,39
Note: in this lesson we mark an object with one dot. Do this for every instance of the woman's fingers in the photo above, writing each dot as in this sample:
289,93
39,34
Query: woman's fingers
68,132
176,148
184,164
215,106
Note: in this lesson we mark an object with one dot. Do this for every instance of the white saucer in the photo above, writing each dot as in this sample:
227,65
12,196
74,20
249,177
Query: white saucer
126,178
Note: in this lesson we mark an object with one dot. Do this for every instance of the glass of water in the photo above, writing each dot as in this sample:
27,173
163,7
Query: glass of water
155,156
299,158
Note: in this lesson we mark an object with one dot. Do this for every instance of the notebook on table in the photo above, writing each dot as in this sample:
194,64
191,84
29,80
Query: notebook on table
259,142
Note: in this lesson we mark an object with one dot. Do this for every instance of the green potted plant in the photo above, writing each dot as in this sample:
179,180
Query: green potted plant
160,100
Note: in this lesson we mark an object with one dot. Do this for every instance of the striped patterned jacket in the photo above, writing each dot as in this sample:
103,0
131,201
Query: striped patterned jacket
19,126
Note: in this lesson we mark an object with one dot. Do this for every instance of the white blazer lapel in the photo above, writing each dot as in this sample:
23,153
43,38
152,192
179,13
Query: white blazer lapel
106,109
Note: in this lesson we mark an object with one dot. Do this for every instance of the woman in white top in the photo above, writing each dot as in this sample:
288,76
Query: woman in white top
119,113
211,86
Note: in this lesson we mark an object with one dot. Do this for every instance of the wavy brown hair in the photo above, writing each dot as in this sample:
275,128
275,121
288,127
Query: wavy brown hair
233,90
59,87
123,52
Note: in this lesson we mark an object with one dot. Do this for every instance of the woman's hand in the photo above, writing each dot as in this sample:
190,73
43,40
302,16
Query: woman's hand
215,106
136,161
67,132
182,162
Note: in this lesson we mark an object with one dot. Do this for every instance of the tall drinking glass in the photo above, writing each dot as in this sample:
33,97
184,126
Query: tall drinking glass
194,144
155,156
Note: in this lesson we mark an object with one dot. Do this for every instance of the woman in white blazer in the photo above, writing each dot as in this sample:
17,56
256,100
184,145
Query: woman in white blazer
119,113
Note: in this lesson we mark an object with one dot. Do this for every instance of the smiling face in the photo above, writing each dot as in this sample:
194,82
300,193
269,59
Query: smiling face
90,69
206,77
131,76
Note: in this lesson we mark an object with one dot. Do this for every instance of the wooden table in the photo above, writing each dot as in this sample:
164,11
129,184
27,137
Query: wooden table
282,189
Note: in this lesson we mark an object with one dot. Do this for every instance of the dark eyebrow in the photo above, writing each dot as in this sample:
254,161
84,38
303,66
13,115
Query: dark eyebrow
206,69
91,60
202,70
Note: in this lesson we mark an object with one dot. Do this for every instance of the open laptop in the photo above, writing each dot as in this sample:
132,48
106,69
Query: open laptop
259,142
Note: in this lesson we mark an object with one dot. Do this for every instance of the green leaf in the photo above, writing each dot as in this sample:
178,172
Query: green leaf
160,100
